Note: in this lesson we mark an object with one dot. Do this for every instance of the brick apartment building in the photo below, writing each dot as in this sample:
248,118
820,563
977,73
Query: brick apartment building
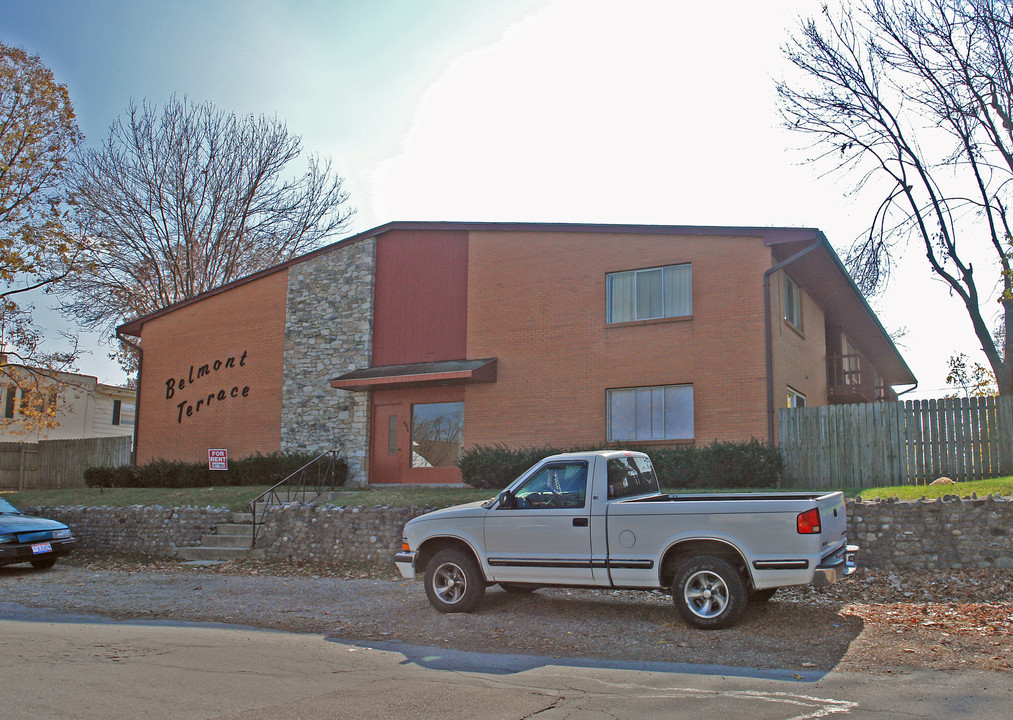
405,343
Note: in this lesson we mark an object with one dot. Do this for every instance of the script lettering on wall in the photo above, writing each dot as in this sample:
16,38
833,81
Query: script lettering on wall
204,398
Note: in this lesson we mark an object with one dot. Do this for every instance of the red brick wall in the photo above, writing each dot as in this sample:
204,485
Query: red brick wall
235,404
799,353
421,295
537,302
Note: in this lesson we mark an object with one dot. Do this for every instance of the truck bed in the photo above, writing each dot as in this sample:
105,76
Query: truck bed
723,497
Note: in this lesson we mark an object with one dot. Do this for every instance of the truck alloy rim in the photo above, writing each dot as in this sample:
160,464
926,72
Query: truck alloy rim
706,594
450,583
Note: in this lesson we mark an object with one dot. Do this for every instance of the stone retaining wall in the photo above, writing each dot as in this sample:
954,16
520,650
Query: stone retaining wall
928,534
330,535
136,530
951,533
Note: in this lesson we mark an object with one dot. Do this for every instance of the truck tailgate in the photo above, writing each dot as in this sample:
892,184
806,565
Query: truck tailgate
833,521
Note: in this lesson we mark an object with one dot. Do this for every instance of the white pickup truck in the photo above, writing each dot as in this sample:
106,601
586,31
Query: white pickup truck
599,520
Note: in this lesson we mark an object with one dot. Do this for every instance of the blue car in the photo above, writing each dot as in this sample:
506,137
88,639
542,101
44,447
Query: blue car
24,538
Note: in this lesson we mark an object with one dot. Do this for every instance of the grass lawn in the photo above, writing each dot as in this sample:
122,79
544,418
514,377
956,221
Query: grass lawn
236,498
981,488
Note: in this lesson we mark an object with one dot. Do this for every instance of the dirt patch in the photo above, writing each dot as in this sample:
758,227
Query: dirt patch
877,622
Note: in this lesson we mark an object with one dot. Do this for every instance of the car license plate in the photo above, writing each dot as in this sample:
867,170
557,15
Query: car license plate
39,548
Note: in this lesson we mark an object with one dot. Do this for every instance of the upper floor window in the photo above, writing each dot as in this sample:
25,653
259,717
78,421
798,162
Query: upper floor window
10,400
123,413
651,413
851,363
792,303
662,292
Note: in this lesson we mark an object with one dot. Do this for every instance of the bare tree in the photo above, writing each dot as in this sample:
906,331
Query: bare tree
915,99
189,198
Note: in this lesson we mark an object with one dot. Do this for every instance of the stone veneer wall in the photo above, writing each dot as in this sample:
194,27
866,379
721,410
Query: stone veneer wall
946,534
328,332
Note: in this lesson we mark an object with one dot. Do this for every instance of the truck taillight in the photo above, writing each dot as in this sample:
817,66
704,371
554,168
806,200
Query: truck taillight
808,523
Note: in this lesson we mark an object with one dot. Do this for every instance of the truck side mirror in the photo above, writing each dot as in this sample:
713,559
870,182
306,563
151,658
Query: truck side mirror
507,499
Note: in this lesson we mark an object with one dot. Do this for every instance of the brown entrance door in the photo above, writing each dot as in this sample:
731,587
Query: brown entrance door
389,444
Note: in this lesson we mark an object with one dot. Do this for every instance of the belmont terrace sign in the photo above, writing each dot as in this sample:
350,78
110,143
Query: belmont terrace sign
206,372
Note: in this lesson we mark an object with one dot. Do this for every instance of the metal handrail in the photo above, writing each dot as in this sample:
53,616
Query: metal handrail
324,482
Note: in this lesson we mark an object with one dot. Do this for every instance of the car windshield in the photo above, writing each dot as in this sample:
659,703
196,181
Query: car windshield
6,508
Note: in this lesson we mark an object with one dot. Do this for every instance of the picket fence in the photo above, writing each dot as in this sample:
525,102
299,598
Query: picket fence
51,464
897,443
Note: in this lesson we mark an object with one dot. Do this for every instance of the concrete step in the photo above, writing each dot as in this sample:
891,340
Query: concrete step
241,518
241,529
227,541
220,553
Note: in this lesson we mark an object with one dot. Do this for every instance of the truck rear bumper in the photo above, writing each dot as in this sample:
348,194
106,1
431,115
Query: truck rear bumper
405,562
835,567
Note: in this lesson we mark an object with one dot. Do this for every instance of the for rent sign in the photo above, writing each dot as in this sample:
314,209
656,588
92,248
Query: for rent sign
218,459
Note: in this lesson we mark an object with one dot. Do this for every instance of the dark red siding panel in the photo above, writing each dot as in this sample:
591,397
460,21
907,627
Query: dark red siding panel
420,309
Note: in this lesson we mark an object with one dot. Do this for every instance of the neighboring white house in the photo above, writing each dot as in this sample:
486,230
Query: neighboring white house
81,406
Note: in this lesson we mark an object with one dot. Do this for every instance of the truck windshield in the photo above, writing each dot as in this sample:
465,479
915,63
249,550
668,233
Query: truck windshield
629,476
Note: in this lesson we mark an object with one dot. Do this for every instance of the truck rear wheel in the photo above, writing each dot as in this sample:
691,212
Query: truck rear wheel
708,592
453,581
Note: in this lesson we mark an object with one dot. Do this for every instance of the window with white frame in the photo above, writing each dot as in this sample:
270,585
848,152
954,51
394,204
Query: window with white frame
661,292
792,303
663,412
795,398
123,413
10,400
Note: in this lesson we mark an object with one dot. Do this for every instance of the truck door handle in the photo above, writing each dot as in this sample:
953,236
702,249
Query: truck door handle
580,522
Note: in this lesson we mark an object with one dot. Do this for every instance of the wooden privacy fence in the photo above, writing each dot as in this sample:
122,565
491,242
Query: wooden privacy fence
58,463
897,443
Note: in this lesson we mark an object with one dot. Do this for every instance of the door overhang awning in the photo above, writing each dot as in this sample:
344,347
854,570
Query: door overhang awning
445,372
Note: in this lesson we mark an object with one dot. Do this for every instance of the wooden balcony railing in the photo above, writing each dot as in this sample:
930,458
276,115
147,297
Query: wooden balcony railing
850,379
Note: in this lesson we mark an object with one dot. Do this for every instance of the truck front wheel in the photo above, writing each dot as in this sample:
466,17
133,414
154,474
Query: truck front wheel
453,582
708,592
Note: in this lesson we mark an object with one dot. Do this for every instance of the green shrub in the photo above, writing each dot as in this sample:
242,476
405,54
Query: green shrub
740,465
751,464
496,466
253,470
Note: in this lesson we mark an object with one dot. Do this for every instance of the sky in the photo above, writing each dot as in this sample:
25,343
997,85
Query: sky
641,111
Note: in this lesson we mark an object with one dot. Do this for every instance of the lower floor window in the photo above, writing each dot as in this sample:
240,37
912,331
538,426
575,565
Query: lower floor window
663,412
795,399
436,434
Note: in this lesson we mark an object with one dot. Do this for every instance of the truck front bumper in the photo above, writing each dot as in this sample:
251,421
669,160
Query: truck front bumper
405,562
835,567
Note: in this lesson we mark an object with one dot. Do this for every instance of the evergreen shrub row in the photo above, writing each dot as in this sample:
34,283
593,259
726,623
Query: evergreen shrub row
719,465
252,470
